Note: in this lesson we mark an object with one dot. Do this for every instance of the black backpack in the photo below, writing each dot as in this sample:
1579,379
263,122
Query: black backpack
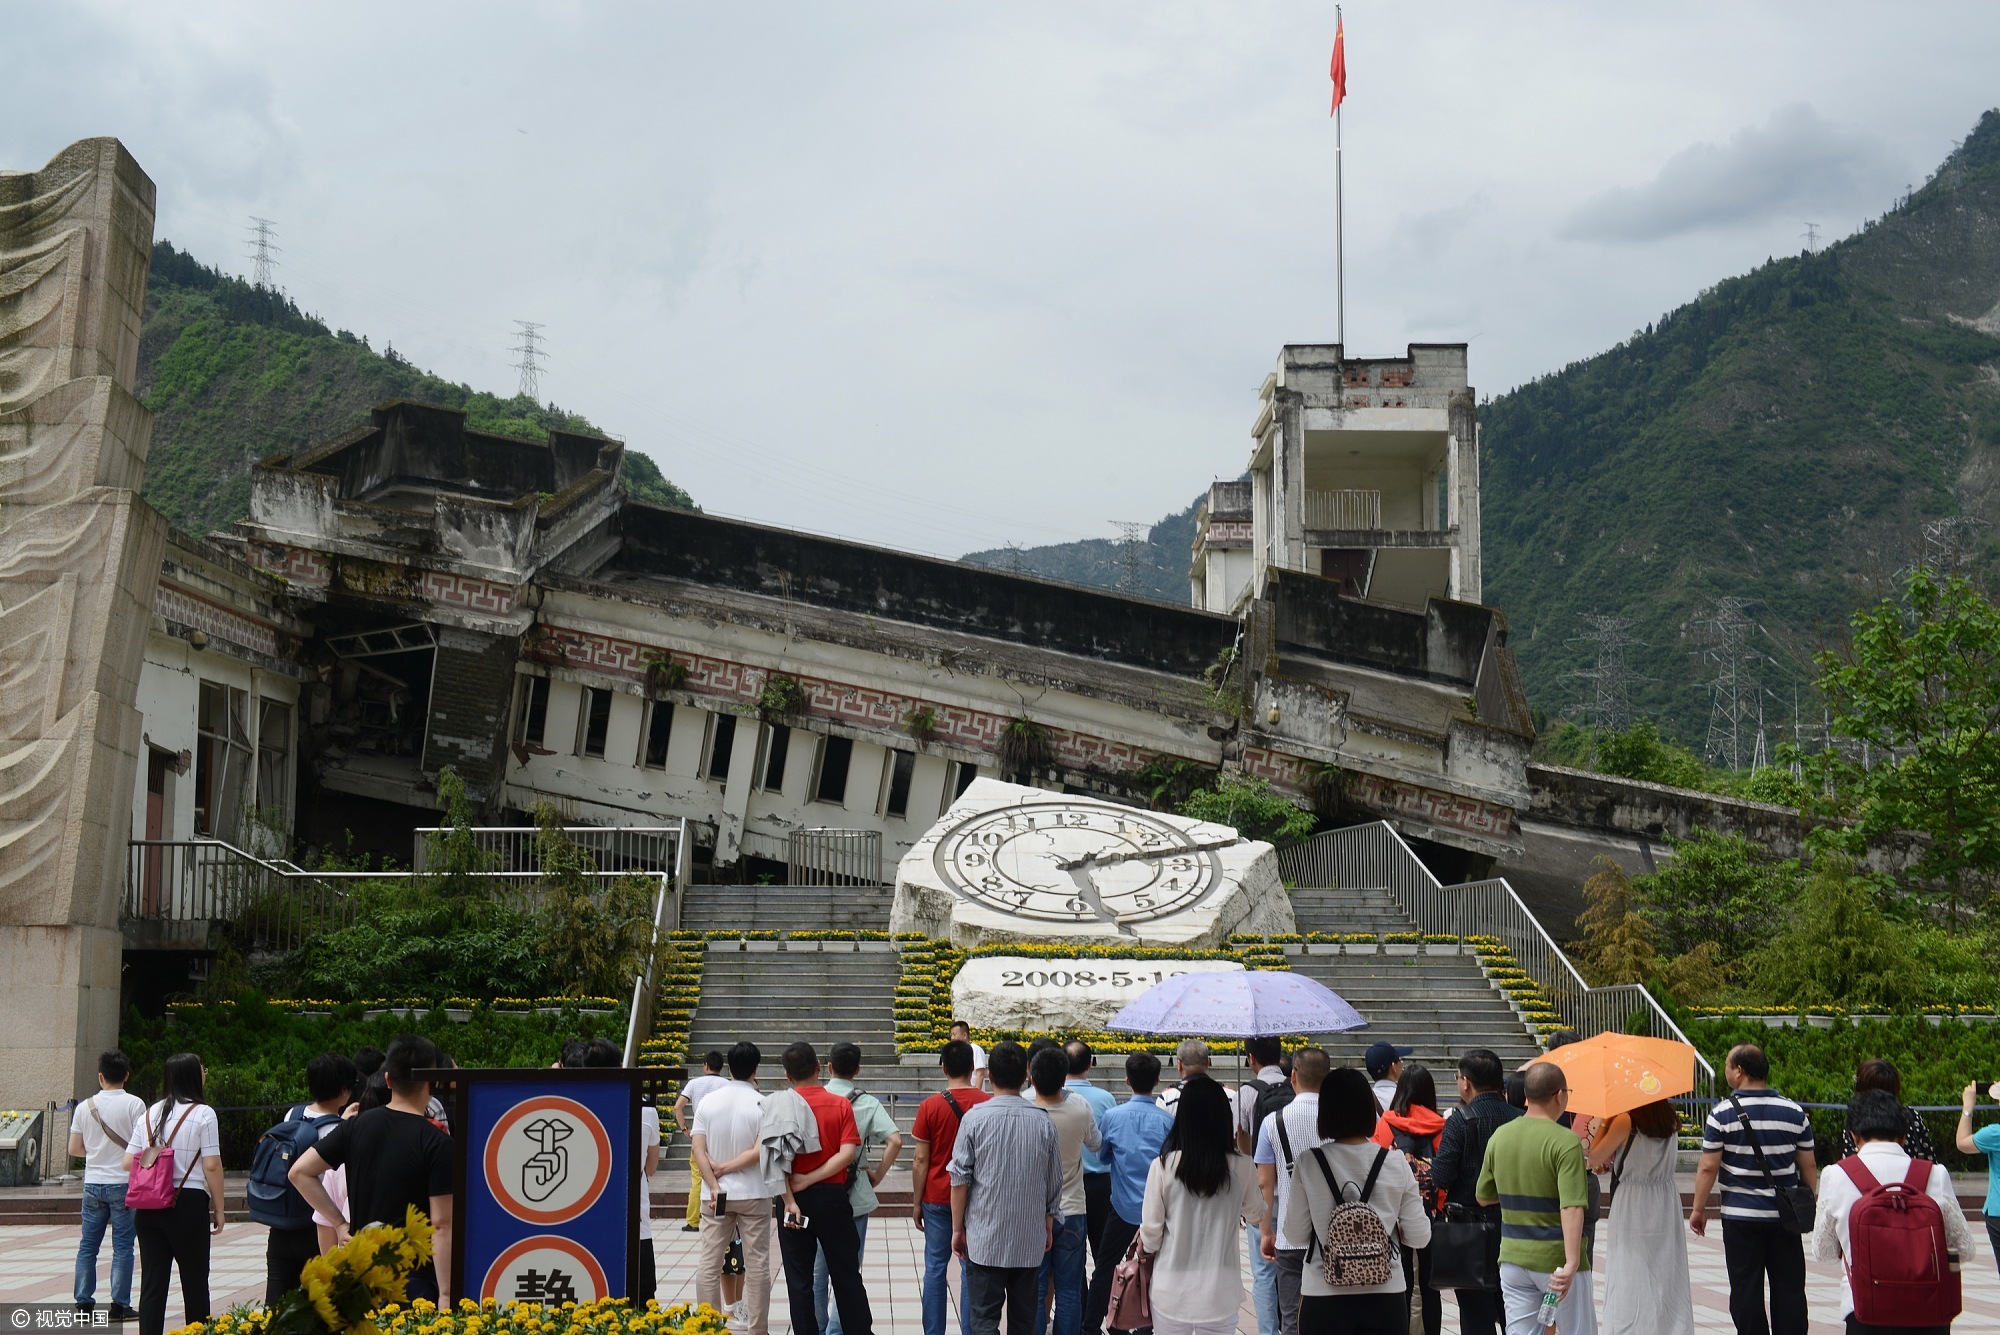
1270,1098
273,1199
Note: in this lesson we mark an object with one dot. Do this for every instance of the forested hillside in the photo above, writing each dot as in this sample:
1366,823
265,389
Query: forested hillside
234,372
1782,438
1159,567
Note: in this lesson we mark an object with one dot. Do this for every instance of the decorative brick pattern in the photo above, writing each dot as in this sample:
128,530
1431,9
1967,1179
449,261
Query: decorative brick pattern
300,565
1445,810
468,592
187,608
1229,532
1281,770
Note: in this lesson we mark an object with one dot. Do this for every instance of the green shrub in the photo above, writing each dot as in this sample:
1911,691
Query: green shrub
1252,809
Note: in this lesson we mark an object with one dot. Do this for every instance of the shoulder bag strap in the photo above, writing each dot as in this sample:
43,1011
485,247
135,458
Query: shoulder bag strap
1324,1171
1618,1169
1374,1171
1918,1179
1285,1141
1756,1145
97,1116
952,1104
1857,1173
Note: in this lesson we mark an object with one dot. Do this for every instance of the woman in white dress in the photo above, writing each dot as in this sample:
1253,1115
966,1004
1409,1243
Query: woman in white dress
1645,1267
1199,1194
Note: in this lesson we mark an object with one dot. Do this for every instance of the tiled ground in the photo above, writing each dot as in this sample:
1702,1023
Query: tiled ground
36,1264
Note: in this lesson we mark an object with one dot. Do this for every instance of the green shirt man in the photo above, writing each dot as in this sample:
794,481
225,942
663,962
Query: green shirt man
1534,1171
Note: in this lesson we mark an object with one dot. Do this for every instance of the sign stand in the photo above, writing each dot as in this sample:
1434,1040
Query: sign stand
546,1195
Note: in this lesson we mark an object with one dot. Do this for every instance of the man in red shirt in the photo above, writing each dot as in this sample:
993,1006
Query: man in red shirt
815,1214
936,1132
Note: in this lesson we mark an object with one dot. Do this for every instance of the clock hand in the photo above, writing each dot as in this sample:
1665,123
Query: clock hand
1112,859
1086,889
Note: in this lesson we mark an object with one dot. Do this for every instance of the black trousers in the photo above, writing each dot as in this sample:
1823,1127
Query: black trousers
829,1227
176,1237
286,1250
1097,1209
1993,1236
1417,1280
1356,1313
649,1279
1111,1245
988,1287
1755,1251
1863,1328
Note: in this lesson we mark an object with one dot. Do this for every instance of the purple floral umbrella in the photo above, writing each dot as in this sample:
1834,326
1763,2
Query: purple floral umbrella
1238,1004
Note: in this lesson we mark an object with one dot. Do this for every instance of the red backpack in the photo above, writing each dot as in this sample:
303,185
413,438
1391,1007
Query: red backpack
1898,1264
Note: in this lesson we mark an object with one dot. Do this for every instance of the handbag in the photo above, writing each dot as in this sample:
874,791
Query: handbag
1131,1306
1795,1203
1465,1250
151,1185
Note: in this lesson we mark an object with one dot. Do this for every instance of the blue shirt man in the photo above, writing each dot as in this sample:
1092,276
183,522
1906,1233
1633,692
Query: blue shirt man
1132,1133
1096,1173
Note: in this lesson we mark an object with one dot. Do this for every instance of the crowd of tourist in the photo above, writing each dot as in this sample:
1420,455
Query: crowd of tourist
1337,1199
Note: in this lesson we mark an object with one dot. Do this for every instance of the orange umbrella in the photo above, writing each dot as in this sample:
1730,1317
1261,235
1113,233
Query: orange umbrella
1615,1073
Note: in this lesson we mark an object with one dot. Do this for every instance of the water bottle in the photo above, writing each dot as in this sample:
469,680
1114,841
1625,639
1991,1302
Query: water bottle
1550,1302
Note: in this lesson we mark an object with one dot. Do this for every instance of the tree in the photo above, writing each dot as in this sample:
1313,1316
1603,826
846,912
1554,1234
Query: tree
1919,688
1717,888
1250,808
1837,947
1617,944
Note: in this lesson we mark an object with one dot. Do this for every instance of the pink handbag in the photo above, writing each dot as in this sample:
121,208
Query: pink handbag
151,1185
1131,1306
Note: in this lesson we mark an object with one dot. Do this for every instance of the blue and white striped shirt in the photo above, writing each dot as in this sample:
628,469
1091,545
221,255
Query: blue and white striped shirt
1780,1127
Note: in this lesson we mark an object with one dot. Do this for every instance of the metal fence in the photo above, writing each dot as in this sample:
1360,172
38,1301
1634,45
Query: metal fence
834,857
513,850
1350,508
1374,857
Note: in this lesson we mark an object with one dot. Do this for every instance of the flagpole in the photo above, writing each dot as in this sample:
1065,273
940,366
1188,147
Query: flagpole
1339,226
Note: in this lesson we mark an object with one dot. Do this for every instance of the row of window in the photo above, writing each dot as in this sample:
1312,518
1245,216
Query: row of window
832,759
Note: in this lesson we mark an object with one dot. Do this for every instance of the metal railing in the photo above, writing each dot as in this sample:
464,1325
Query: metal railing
667,901
512,849
1374,857
834,857
1352,508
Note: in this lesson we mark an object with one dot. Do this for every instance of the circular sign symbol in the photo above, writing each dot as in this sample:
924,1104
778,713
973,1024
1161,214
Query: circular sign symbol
544,1269
547,1160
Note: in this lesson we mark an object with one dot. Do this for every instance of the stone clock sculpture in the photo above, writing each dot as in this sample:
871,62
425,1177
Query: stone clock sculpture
1009,863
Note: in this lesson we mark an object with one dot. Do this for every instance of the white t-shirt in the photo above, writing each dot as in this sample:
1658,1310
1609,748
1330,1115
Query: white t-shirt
700,1088
649,1138
1302,1130
1245,1096
1385,1093
104,1145
730,1119
197,1137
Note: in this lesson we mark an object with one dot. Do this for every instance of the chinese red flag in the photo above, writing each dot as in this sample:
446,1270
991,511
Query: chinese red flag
1339,69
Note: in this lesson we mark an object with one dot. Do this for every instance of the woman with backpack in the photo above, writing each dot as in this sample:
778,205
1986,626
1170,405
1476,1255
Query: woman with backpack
1358,1202
1894,1224
175,1162
1412,1127
1199,1194
1645,1265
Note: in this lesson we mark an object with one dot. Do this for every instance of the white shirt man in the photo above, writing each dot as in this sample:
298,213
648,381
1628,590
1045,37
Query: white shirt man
735,1200
100,1129
1300,1120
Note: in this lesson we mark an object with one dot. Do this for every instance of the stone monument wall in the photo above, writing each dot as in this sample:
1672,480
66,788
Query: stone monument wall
79,557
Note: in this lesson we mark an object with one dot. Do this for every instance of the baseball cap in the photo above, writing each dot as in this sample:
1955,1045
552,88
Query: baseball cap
1381,1056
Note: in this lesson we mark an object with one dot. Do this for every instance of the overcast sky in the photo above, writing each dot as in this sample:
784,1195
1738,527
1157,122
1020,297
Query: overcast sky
943,276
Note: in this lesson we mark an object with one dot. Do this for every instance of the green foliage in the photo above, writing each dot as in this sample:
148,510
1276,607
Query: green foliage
1719,888
1617,945
1252,809
1168,781
595,940
1920,686
1099,563
1025,747
1837,947
782,696
405,940
256,1051
234,373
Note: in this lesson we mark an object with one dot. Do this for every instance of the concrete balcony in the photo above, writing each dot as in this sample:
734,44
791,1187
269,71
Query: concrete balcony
1346,509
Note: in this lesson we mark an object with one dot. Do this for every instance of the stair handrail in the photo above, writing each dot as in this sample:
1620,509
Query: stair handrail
1360,856
667,897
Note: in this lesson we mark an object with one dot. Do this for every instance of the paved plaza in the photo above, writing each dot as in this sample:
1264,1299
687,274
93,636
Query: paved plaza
36,1263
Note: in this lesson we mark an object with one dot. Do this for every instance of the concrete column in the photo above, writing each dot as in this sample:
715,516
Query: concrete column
1464,455
736,790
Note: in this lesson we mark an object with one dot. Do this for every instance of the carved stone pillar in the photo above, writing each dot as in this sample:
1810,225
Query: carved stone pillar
79,556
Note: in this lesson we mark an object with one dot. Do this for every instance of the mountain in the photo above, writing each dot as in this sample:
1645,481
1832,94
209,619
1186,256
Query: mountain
1156,568
234,373
1784,438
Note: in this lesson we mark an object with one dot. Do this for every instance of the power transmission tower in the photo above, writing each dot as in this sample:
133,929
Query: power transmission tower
1733,693
1013,558
1812,236
1948,542
262,246
1607,699
1131,554
530,365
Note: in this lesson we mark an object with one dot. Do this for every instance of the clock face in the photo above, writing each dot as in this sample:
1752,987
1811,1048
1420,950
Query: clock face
1012,859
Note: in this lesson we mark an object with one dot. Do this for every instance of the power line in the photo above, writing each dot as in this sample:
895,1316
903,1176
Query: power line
262,246
1131,551
1607,699
1811,235
1733,694
530,365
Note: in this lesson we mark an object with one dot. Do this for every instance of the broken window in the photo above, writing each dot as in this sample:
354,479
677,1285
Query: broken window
830,774
896,783
222,760
659,730
776,751
721,745
594,722
962,775
274,763
531,717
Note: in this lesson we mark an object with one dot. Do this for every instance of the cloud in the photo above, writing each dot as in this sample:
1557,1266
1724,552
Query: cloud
1797,160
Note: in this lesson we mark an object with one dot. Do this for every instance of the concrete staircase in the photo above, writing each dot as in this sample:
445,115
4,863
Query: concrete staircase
786,908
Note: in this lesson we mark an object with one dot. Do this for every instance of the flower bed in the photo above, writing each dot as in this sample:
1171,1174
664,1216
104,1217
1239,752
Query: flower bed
606,1316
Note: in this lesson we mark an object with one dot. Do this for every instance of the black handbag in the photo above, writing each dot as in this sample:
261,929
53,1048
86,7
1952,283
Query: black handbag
1465,1250
1795,1203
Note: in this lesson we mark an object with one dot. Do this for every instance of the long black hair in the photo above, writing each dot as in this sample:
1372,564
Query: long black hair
1204,1131
1416,1087
180,1082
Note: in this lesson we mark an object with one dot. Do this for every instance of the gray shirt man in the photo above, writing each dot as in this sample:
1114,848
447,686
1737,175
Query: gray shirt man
1009,1159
